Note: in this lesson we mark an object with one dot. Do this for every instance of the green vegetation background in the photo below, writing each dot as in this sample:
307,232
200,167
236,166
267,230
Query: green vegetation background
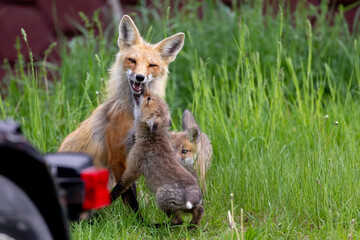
266,88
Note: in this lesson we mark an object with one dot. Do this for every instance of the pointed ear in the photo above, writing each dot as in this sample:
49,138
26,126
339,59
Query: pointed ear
188,121
193,134
152,124
171,46
154,127
128,33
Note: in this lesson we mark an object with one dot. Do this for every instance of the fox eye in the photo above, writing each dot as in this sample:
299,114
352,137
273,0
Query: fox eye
153,65
148,99
184,151
132,60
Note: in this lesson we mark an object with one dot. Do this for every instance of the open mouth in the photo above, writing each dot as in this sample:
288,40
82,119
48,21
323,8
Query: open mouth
136,88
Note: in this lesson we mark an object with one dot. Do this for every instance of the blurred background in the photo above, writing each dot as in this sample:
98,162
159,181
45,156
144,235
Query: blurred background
48,21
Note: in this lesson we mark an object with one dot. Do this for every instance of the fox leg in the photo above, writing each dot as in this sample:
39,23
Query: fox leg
197,213
116,134
128,192
177,220
127,187
128,196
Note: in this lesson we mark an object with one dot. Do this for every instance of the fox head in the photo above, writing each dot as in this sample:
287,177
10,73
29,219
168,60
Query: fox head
184,144
140,63
192,145
152,111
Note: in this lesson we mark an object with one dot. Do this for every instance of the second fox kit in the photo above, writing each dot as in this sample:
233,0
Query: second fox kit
138,64
153,156
193,147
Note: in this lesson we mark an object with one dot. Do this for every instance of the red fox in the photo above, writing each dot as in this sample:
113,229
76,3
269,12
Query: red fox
137,64
153,156
193,147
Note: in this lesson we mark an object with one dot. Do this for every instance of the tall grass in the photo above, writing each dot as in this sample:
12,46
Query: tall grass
267,90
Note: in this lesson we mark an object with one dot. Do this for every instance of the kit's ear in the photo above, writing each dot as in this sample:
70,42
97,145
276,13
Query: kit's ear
154,127
128,33
171,46
152,124
193,135
188,121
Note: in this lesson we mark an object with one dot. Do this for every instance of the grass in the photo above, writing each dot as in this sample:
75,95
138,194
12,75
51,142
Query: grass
267,90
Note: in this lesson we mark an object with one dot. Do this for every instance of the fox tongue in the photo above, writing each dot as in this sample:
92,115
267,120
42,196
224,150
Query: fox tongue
137,86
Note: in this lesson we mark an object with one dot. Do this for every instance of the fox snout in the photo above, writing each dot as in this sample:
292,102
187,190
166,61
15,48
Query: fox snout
138,81
139,77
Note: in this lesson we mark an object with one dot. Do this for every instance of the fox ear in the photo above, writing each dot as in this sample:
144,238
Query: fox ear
152,124
193,134
128,32
171,46
188,120
154,127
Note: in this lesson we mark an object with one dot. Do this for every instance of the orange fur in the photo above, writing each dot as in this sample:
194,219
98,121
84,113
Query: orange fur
103,134
193,147
116,130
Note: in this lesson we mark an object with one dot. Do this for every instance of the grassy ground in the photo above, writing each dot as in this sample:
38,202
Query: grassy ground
266,89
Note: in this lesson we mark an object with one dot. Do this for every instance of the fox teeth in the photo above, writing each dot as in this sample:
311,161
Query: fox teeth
137,86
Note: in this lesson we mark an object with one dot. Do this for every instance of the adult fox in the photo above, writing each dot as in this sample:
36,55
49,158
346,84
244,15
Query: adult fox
103,134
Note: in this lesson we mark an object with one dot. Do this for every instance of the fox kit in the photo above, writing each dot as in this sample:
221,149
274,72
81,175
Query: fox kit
193,147
137,64
153,156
